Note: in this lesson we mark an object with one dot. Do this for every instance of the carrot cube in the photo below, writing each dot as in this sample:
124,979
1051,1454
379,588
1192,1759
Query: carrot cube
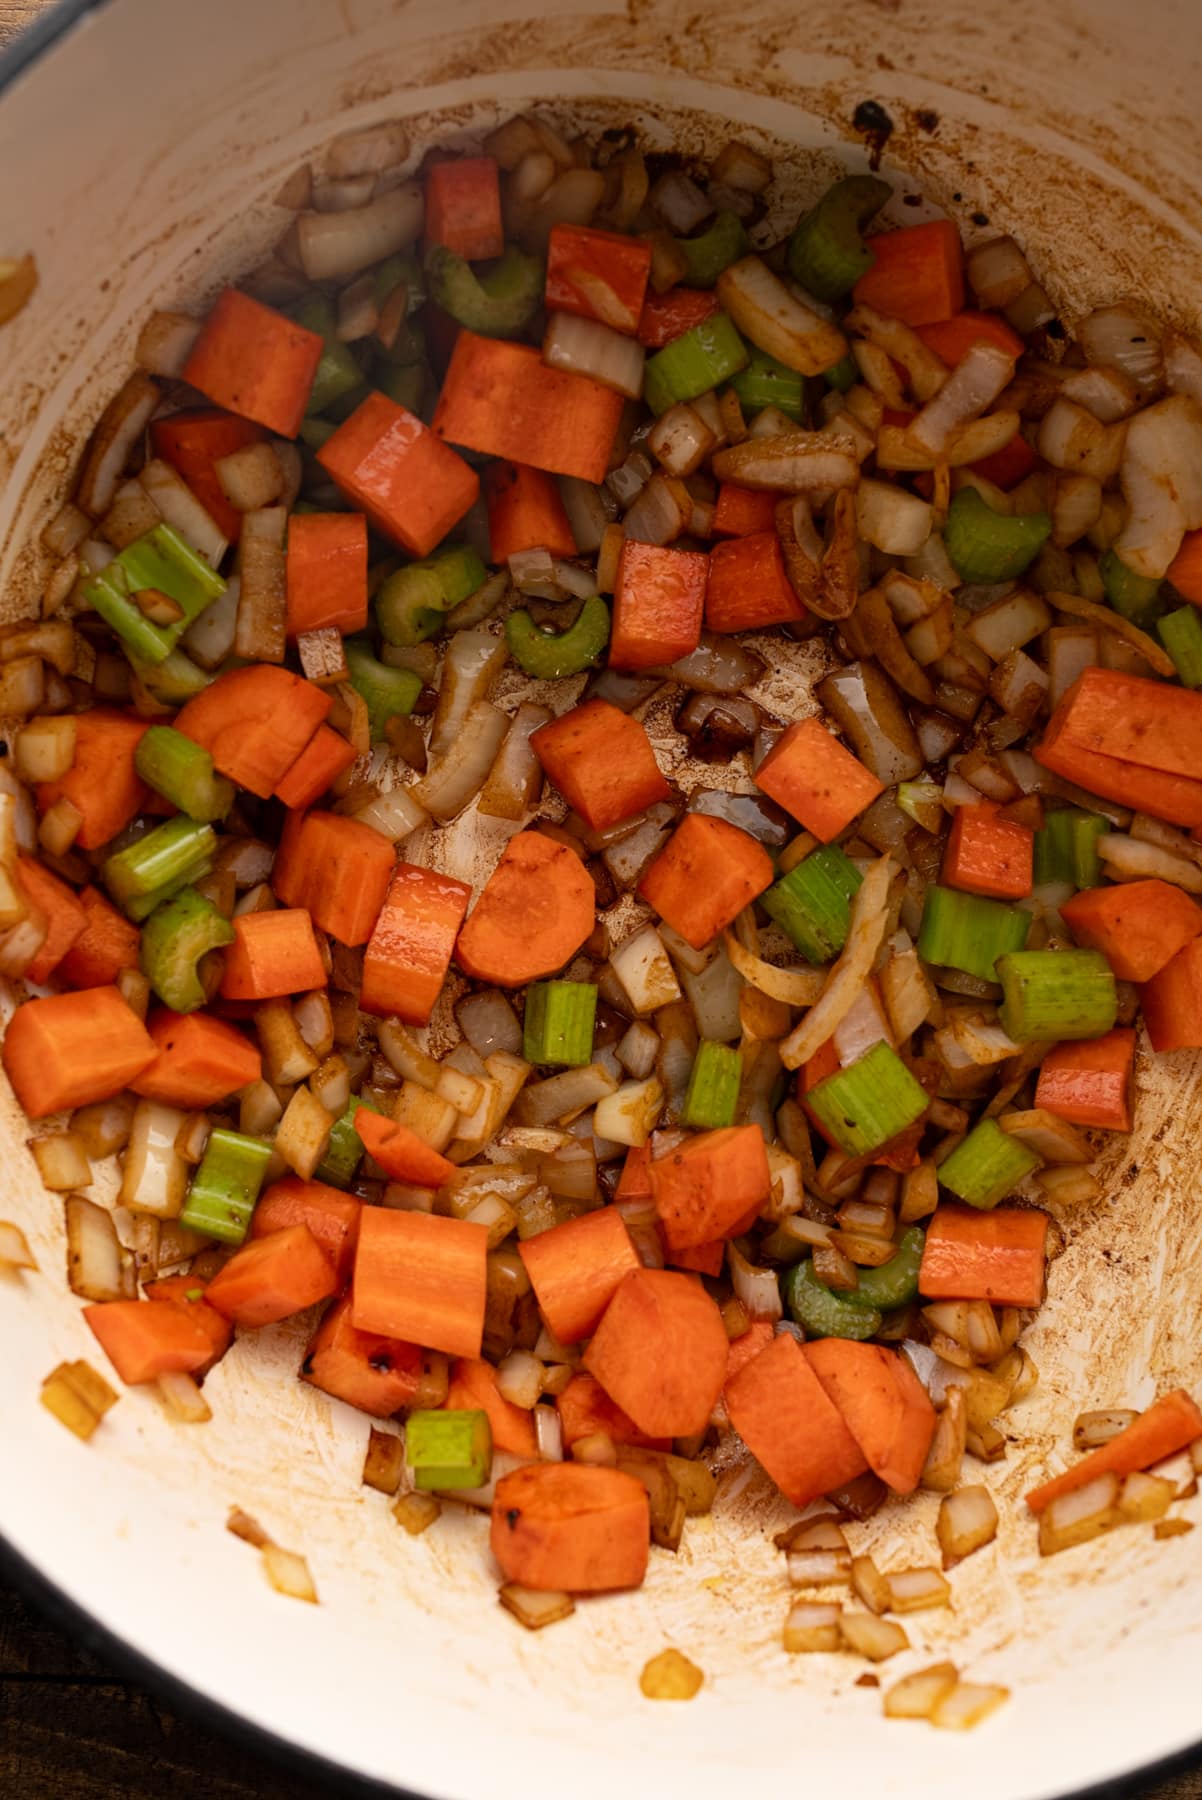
474,1388
744,1349
999,1256
1172,1002
659,600
1169,1424
379,1375
598,274
252,360
784,1415
331,1216
952,339
568,1526
700,1259
585,1409
1089,1082
576,1268
71,1049
254,723
60,906
1185,570
666,317
194,443
400,1152
660,1352
421,1277
409,953
1132,740
273,953
107,944
102,782
201,1060
270,1278
525,512
748,586
918,274
1009,465
143,1342
463,207
1138,926
706,873
883,1403
602,762
336,868
324,758
711,1186
411,485
501,399
743,512
327,572
812,776
181,1291
990,856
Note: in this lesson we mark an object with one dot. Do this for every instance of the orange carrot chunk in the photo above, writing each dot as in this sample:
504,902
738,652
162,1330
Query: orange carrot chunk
331,1216
256,362
186,1291
535,912
576,1268
273,953
60,906
71,1049
660,1352
400,1152
742,1350
1185,570
1139,926
474,1388
918,275
107,944
463,207
884,1406
602,762
324,758
1089,1082
102,782
525,512
598,275
634,1183
743,512
326,572
412,487
421,1277
792,1427
1009,465
194,442
338,869
711,1185
699,1259
990,856
1132,740
749,587
1168,1425
706,873
586,1409
666,317
501,399
143,1342
270,1278
254,723
570,1527
659,600
810,774
379,1375
410,949
200,1060
952,339
999,1256
1172,1002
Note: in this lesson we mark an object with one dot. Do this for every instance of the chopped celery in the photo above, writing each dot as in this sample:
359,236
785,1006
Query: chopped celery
338,375
827,253
989,546
1066,849
812,902
344,1152
766,382
964,931
821,1312
870,1102
1135,597
448,1449
183,773
894,1283
721,243
550,655
172,681
314,433
387,691
1181,635
406,386
392,272
713,1090
558,1023
693,363
140,906
226,1185
1056,994
160,863
987,1166
497,299
160,561
842,375
174,939
413,602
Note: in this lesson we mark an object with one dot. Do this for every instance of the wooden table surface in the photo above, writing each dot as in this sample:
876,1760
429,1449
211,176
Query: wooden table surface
72,1729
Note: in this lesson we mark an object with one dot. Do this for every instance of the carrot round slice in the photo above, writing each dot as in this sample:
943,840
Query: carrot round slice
660,1352
535,912
570,1526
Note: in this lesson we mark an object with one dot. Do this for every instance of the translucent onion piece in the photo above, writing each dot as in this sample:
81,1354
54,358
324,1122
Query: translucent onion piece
796,987
869,916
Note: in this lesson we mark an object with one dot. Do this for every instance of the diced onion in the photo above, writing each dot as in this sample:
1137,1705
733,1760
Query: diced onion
1093,1429
892,520
641,965
536,1607
758,1289
97,1267
337,245
14,1248
1162,483
1104,618
869,914
112,443
776,321
791,461
795,987
1120,337
288,1573
974,384
629,1115
997,271
1078,1516
586,347
661,512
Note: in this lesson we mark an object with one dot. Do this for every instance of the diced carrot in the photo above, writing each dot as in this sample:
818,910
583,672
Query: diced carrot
634,1183
256,362
990,856
331,1216
102,781
758,1335
421,1277
706,873
571,1527
324,758
660,1352
952,339
824,1062
602,762
188,1292
999,1256
1185,570
659,602
379,1375
666,317
810,774
60,906
254,722
743,512
200,1060
1132,740
525,512
412,486
1089,1081
711,1185
699,1259
270,1278
501,399
463,207
576,1268
884,1406
1009,465
1174,798
598,274
400,1152
1172,1002
536,910
273,953
1138,926
918,275
338,869
792,1427
71,1049
194,442
474,1387
143,1342
107,944
410,949
748,586
327,572
586,1409
1167,1426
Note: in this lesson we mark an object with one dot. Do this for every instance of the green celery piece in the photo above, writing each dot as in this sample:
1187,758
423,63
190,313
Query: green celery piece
693,363
869,1103
183,773
172,681
164,858
720,244
314,433
413,602
827,254
1135,597
766,382
344,1152
140,906
894,1283
1066,849
988,546
498,299
1181,635
811,903
405,386
387,691
558,1025
713,1091
175,937
1056,994
551,655
226,1186
338,373
842,375
821,1312
159,559
390,274
987,1166
448,1450
964,931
